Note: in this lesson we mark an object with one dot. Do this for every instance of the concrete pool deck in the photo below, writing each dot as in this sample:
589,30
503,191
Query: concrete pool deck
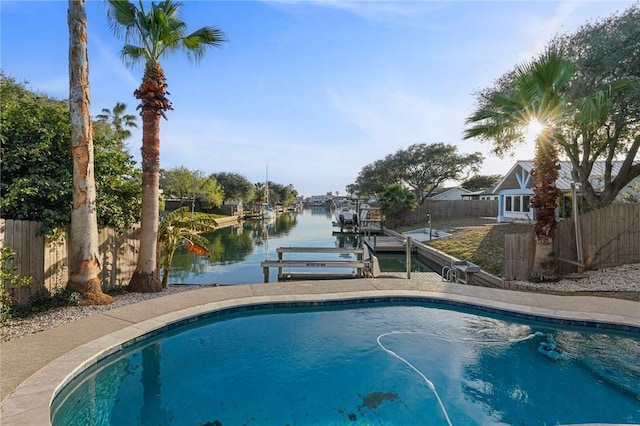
34,367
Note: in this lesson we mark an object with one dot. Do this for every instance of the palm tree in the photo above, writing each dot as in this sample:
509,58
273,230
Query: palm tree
537,96
118,120
397,198
155,33
177,230
84,263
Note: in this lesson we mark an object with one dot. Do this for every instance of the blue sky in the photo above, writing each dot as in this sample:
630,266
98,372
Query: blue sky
313,89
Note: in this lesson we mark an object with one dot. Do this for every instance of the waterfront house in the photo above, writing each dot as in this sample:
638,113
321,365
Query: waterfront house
515,189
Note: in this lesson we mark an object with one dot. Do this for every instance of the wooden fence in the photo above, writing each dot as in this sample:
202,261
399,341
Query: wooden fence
444,209
46,260
610,237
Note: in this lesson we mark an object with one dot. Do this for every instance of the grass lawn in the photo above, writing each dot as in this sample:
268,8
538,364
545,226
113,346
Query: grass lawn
477,240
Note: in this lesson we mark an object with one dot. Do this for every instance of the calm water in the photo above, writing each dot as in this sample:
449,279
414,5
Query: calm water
236,252
329,366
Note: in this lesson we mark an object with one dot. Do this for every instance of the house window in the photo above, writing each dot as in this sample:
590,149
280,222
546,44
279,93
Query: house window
526,203
516,203
507,201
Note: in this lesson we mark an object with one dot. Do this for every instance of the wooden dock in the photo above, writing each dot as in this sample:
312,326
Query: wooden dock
383,243
358,263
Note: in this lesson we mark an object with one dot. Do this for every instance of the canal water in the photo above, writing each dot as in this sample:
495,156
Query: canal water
236,251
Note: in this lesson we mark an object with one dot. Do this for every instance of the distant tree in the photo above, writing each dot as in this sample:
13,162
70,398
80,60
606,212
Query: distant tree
36,166
352,189
260,194
235,186
374,177
478,182
397,198
179,182
210,192
183,183
84,263
285,195
424,167
119,121
155,33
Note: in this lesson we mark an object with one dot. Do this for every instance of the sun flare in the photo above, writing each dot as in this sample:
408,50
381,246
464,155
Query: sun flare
533,130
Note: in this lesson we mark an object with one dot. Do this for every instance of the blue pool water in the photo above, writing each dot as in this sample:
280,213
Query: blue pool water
336,366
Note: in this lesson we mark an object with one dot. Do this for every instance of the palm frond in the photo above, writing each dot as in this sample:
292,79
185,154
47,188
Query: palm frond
159,31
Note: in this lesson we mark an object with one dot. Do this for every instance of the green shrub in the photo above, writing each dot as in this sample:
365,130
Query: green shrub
9,279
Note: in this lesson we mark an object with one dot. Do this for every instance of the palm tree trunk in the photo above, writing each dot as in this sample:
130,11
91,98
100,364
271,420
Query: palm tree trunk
152,95
545,200
83,253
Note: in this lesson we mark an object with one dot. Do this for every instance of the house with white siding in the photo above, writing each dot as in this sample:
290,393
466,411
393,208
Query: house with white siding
455,193
515,189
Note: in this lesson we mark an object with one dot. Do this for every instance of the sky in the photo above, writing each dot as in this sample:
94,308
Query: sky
310,90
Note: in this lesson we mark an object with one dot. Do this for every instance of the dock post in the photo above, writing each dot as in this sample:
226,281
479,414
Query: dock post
280,267
265,272
408,258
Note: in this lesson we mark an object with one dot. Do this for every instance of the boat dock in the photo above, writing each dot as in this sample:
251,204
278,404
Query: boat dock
385,243
361,218
359,263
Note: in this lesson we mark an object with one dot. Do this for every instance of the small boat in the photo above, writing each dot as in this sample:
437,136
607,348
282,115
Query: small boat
346,214
268,212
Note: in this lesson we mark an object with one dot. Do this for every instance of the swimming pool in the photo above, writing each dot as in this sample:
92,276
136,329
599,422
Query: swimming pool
337,366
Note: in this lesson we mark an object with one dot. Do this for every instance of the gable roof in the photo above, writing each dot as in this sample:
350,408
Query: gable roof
510,180
451,189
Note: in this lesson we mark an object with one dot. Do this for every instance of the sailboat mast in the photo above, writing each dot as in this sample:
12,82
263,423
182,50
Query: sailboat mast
266,186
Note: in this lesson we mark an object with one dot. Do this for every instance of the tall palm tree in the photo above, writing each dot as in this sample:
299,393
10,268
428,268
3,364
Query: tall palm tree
84,256
118,120
537,96
155,34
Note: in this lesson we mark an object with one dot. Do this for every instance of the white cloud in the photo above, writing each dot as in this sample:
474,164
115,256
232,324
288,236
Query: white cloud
393,118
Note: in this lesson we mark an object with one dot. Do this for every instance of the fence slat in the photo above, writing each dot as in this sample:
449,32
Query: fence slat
610,236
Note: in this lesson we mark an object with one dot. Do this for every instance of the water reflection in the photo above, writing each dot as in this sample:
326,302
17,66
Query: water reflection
236,252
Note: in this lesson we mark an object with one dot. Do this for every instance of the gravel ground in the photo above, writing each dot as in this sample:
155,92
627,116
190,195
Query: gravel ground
623,281
19,327
624,278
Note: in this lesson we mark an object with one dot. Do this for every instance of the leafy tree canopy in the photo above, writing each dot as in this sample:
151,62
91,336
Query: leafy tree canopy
278,193
374,177
284,194
478,182
180,182
423,167
235,186
35,135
